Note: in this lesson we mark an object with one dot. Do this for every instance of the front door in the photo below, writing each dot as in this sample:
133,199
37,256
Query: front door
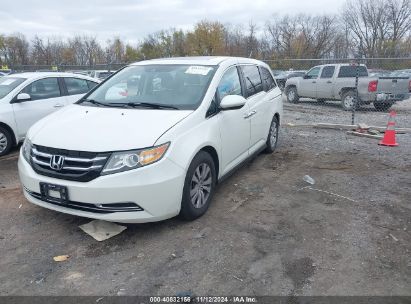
308,85
325,86
45,98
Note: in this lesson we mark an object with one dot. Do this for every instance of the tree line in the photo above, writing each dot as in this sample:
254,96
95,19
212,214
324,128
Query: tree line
366,28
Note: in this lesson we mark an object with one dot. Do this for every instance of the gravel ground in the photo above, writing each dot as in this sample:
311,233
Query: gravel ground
266,232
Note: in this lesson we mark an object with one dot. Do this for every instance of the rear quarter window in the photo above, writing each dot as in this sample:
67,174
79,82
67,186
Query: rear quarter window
351,71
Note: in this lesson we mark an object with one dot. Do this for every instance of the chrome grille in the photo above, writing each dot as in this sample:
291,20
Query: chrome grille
77,165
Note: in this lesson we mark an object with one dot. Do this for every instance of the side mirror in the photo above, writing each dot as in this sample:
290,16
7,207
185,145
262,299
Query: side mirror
232,102
22,97
306,76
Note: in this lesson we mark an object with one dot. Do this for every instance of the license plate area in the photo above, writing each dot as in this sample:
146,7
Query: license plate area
55,193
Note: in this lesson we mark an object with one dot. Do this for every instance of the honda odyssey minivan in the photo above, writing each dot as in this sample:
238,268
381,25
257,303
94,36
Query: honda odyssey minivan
153,140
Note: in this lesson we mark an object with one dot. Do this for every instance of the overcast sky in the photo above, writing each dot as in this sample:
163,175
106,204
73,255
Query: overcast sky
132,20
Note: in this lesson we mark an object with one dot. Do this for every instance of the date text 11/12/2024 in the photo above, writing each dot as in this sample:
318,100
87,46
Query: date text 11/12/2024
203,299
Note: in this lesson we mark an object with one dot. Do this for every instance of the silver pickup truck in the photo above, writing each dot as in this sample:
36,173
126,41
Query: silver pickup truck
337,82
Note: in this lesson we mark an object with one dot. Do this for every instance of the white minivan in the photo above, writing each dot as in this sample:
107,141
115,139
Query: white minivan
152,141
25,98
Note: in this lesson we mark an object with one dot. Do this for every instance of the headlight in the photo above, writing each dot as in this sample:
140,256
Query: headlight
128,160
26,149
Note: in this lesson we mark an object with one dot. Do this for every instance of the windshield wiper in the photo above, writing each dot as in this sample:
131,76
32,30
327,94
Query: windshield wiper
95,102
145,105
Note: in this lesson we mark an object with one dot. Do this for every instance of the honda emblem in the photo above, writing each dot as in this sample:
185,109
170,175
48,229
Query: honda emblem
57,162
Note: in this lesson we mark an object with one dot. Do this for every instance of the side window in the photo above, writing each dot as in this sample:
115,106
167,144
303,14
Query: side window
313,73
328,71
268,80
230,83
252,79
43,89
91,84
76,86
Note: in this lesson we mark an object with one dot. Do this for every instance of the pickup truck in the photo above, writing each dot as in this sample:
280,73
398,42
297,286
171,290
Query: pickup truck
337,82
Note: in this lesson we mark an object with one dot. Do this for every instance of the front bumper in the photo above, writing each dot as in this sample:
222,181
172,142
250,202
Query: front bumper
157,189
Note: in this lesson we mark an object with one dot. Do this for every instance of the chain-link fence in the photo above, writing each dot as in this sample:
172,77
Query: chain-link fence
347,91
64,67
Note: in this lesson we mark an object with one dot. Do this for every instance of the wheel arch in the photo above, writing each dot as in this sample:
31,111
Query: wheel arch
345,90
289,86
214,155
277,115
9,129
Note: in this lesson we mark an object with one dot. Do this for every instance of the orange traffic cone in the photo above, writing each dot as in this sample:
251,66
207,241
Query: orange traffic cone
389,136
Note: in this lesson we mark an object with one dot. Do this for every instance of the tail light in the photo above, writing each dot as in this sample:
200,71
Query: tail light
372,86
409,86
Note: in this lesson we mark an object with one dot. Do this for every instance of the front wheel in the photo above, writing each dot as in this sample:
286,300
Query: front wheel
199,186
292,95
272,138
6,141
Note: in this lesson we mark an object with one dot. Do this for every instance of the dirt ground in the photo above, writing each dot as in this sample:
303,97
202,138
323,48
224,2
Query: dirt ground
266,232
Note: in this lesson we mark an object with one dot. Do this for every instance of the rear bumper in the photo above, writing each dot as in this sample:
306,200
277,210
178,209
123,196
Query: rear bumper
390,98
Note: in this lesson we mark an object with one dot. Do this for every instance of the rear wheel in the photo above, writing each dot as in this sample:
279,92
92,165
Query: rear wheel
272,138
6,141
382,106
198,186
292,95
348,100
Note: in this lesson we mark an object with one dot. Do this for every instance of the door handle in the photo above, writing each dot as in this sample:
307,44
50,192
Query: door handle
314,81
329,81
248,115
58,105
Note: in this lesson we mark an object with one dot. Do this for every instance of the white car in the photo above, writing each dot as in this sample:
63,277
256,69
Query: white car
101,74
27,97
153,141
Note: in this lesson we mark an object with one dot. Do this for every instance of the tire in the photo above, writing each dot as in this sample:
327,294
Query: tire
348,100
292,95
6,141
194,206
382,106
272,138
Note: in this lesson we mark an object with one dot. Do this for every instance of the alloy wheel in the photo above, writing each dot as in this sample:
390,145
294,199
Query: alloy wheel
273,134
291,95
3,142
200,187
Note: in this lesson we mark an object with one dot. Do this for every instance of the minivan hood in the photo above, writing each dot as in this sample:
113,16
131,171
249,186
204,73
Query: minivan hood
101,129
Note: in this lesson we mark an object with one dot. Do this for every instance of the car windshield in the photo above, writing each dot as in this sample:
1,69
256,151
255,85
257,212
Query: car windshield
8,84
154,86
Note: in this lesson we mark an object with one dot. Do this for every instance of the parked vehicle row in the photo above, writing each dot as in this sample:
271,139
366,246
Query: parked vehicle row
152,141
338,82
25,98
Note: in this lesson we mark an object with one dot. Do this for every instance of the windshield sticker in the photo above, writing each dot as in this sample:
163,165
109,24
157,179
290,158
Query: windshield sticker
198,70
8,82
